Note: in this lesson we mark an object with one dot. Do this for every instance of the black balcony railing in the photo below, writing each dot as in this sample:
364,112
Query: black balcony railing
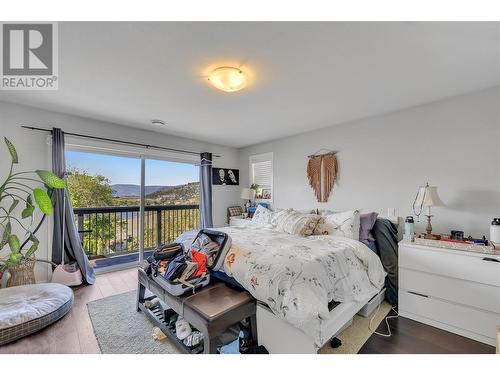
108,231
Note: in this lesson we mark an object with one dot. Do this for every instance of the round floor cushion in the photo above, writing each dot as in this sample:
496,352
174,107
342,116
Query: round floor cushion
29,308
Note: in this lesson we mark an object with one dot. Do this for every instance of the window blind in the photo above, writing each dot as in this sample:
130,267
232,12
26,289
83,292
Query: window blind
263,174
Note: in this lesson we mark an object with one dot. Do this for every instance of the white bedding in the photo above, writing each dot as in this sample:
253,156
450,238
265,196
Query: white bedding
298,276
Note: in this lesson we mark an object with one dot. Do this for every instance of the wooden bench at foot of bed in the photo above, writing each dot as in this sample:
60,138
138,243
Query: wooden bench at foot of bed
211,310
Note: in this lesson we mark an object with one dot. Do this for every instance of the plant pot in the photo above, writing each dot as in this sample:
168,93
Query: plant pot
22,273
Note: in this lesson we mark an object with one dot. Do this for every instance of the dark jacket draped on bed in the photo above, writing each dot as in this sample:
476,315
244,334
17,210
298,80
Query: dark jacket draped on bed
386,239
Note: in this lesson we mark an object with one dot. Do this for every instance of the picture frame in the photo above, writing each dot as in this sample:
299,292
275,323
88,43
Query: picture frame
266,194
225,176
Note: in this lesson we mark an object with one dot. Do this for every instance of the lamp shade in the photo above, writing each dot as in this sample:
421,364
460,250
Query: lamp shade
247,194
427,196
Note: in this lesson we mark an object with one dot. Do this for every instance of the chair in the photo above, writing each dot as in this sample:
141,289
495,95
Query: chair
234,211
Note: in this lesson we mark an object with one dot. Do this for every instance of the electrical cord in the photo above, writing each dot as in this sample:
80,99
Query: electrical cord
393,308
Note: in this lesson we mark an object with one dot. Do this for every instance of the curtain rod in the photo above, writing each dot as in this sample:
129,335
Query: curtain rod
119,141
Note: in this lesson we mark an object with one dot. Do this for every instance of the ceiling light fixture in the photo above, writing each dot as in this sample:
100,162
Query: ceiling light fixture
228,79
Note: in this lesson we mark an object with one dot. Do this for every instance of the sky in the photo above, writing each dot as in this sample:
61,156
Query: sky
122,170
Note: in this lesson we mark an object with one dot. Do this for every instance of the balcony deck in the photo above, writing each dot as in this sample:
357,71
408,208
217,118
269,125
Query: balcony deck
111,235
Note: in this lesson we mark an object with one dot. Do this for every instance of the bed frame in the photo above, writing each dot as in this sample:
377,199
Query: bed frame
280,337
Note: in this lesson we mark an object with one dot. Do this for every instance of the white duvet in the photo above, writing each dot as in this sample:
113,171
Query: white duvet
298,276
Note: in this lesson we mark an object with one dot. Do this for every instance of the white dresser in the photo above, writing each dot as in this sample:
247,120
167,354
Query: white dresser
455,290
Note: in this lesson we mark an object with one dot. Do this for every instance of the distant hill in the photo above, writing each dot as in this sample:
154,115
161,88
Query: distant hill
131,190
181,194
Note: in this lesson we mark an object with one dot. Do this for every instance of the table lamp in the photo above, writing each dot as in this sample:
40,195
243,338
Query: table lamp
247,194
427,196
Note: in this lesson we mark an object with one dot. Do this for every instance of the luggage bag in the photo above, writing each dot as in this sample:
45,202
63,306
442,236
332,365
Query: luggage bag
213,244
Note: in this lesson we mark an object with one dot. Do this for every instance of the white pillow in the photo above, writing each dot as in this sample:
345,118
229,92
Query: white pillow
345,224
293,222
262,215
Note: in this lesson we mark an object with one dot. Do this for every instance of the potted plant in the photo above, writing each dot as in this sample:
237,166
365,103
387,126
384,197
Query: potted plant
15,225
256,188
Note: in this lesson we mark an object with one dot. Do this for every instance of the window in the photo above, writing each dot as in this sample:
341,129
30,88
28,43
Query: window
105,188
261,173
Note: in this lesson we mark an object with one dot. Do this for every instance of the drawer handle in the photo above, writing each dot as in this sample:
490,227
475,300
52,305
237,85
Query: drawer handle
491,260
419,294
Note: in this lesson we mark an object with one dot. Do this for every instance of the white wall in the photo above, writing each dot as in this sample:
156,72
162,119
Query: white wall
34,153
454,144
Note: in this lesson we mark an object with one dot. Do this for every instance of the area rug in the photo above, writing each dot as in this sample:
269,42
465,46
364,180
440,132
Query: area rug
120,329
355,336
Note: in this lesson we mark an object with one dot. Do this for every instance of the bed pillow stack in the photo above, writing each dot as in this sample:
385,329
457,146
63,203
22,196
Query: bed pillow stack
294,222
262,215
344,224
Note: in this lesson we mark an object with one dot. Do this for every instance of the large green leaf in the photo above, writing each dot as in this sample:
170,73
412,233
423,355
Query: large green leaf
43,201
33,247
14,243
12,150
50,179
6,235
13,205
27,212
14,258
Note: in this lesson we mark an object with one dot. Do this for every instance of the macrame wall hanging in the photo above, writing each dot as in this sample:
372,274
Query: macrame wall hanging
322,173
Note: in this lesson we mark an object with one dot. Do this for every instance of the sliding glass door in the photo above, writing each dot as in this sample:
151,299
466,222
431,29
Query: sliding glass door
104,190
126,206
172,198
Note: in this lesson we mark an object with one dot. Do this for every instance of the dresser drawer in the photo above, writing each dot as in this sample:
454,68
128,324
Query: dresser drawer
464,318
481,296
456,265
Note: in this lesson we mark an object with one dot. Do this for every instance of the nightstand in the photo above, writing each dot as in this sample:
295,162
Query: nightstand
455,290
238,221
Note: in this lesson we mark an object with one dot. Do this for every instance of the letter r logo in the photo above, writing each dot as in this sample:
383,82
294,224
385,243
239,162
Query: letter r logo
27,49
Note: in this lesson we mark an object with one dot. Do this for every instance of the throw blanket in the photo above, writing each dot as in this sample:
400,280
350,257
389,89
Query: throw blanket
298,276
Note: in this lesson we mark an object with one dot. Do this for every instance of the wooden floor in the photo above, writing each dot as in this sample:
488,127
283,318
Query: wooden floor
411,337
74,333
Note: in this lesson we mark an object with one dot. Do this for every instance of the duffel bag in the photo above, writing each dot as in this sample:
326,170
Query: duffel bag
167,252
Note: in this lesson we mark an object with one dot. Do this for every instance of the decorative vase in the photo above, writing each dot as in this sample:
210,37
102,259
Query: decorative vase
22,273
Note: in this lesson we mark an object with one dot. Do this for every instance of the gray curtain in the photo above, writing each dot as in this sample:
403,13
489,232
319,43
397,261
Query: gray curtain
206,190
73,250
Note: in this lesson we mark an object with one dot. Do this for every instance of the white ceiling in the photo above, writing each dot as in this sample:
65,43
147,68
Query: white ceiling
304,75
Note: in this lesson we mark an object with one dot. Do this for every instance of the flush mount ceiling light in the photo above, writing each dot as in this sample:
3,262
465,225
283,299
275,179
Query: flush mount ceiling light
228,79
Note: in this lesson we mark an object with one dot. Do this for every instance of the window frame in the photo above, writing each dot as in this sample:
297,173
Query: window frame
135,152
252,159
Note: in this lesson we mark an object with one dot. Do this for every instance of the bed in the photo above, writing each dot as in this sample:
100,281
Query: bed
296,278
